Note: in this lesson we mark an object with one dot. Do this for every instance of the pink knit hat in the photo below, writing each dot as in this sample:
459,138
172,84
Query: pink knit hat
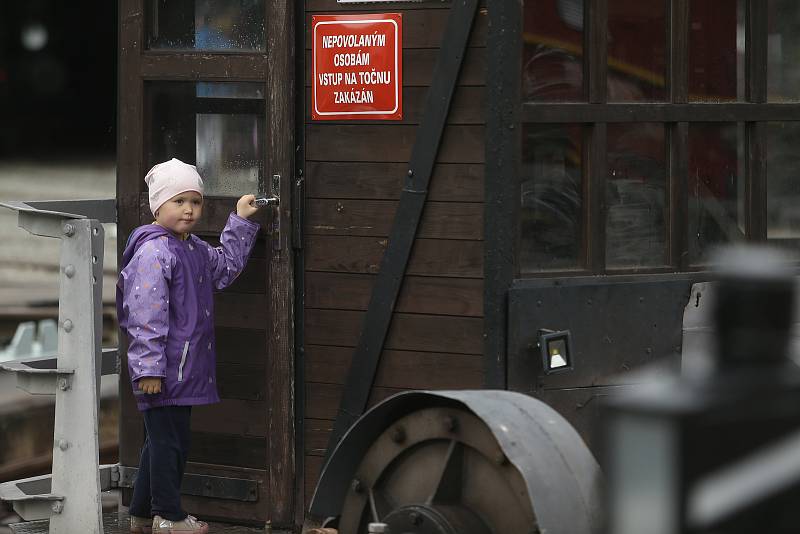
170,178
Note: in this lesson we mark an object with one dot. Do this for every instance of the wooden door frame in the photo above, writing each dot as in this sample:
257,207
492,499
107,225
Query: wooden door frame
280,96
136,64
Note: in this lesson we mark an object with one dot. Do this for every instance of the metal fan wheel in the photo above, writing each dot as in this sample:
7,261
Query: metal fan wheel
438,471
460,462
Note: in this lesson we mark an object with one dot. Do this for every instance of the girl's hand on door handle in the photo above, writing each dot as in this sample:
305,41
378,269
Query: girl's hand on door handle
246,206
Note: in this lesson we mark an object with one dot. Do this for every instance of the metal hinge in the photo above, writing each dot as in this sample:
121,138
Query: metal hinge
298,210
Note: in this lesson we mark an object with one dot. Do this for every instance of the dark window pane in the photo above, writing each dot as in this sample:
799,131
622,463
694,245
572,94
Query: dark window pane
716,187
636,196
783,182
637,37
552,56
217,126
550,198
206,24
783,49
716,50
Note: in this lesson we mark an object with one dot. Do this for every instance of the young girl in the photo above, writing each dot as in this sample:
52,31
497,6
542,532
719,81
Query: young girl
165,304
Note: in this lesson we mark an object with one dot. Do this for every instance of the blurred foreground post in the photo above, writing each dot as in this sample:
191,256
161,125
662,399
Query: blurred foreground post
718,452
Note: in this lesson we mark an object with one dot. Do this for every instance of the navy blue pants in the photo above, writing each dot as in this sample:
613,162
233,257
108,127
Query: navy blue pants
157,490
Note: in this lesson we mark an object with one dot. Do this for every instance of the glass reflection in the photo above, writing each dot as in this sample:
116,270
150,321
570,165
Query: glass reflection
783,51
552,55
218,25
716,187
217,126
716,51
783,187
637,50
550,198
636,198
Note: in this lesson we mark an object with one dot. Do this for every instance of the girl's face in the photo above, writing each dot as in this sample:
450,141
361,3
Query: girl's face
180,213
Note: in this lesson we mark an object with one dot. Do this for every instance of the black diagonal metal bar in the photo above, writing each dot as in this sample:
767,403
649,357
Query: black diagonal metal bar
409,211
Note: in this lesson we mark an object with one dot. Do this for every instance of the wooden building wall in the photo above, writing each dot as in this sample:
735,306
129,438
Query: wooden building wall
354,174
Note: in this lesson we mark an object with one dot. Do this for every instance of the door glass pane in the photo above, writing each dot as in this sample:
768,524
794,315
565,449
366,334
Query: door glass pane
783,51
636,196
217,126
783,182
205,24
716,50
637,51
716,187
551,226
552,55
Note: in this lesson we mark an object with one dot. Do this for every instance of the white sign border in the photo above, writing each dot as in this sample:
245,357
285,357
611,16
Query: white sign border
396,63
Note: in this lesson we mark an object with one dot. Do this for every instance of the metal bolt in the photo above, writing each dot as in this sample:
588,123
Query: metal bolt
69,271
63,384
450,423
415,518
357,485
410,172
57,507
398,434
69,229
68,326
63,444
339,207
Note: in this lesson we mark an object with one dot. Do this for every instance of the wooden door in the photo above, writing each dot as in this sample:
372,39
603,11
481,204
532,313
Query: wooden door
202,82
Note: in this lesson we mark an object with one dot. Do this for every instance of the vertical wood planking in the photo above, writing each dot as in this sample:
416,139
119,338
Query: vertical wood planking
755,138
358,161
502,194
594,184
677,144
129,184
596,50
678,134
678,51
280,93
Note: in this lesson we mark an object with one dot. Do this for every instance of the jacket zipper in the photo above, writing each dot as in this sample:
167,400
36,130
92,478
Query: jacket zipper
183,361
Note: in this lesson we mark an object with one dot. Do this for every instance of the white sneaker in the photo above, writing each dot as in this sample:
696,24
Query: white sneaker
188,525
141,525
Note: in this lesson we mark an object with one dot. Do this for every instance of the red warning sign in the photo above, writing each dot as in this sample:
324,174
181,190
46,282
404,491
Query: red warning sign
358,72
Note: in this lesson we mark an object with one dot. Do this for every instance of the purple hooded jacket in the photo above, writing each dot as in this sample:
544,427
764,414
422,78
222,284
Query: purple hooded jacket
165,303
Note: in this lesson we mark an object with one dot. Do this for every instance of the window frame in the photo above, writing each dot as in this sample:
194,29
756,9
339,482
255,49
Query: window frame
677,113
506,114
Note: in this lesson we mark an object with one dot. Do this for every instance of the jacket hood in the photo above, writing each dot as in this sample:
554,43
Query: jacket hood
140,236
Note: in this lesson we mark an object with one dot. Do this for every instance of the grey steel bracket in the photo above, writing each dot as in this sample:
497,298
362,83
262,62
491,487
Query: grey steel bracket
39,381
46,217
215,487
32,498
41,376
75,485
